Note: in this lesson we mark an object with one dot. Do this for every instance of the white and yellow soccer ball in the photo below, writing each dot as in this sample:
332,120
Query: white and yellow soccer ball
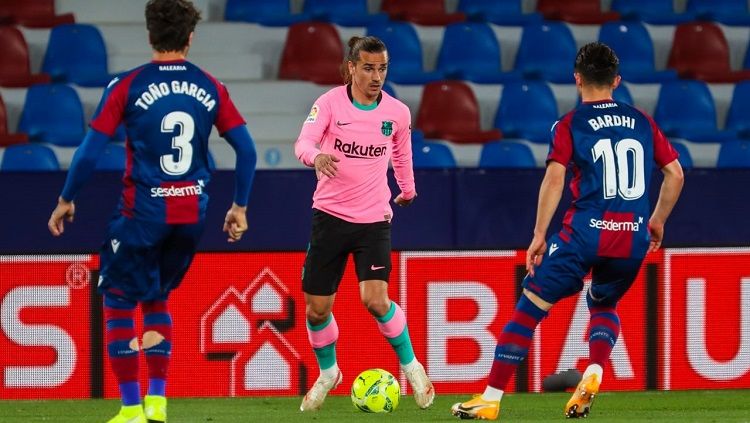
376,391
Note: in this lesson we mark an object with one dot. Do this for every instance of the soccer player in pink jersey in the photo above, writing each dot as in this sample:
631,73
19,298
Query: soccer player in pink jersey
349,137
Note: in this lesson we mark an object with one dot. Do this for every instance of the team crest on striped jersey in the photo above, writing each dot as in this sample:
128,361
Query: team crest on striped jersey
387,128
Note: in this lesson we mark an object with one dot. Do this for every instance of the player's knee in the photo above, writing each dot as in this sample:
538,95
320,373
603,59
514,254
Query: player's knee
152,338
377,306
317,315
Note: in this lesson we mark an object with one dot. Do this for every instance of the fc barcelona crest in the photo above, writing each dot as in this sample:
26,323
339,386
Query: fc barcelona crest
387,128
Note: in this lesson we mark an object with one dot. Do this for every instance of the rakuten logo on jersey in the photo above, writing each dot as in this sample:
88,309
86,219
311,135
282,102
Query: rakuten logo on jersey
174,191
356,151
613,225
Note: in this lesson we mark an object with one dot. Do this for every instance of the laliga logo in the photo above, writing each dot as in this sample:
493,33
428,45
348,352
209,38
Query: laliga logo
247,328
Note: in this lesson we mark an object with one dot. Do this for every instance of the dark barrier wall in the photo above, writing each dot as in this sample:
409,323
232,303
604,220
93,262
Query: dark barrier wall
456,209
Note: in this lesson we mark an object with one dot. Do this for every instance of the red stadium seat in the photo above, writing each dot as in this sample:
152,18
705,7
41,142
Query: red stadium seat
7,139
449,111
700,51
313,51
34,13
422,12
585,12
14,67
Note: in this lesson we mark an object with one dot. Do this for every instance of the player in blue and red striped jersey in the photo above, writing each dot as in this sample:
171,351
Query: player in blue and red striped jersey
611,149
168,107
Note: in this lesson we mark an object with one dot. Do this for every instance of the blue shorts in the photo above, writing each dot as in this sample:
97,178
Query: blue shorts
564,266
144,261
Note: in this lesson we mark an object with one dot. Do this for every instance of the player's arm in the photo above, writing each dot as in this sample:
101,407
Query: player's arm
670,190
235,222
401,159
550,193
83,164
306,147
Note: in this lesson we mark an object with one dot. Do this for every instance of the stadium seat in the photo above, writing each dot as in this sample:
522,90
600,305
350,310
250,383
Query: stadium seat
686,160
527,110
312,52
622,94
685,109
632,43
29,158
76,54
585,12
449,111
738,116
660,12
405,53
7,139
730,12
432,155
15,68
263,12
546,51
34,13
480,63
700,51
500,12
734,154
113,158
52,113
390,90
506,154
421,12
344,13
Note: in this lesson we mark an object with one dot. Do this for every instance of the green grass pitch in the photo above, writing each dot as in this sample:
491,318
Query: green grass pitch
656,407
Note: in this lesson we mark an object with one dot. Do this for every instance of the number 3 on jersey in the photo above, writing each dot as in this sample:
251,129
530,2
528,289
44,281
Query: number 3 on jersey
181,142
626,179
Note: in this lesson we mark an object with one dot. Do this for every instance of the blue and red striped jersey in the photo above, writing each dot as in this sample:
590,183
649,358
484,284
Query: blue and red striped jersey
168,109
611,148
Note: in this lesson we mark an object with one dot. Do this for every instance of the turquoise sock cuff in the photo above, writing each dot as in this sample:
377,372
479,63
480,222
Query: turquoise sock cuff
321,326
388,316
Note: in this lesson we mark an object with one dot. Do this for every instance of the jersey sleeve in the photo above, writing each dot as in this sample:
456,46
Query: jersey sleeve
561,146
664,153
402,157
313,130
109,113
227,117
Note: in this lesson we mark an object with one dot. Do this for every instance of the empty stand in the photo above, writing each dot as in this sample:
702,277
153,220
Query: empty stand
5,137
432,155
76,53
29,158
685,109
506,154
734,154
700,51
313,51
52,113
15,70
422,12
34,13
404,52
633,46
738,116
588,12
527,110
659,12
501,12
345,13
547,51
264,12
449,111
730,12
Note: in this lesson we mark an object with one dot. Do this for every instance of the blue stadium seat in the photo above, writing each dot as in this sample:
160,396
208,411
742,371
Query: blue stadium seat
527,110
29,158
76,54
651,11
405,53
730,12
500,12
345,13
506,154
738,116
432,155
264,12
481,62
734,154
113,158
634,48
546,52
52,113
685,109
686,160
390,90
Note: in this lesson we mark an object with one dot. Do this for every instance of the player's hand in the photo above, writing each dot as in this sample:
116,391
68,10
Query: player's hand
235,223
325,164
535,253
65,210
403,202
656,230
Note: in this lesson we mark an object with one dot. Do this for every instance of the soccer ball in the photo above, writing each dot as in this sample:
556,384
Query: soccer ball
376,391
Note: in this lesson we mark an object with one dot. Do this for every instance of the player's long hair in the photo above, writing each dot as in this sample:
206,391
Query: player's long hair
356,44
169,24
597,64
